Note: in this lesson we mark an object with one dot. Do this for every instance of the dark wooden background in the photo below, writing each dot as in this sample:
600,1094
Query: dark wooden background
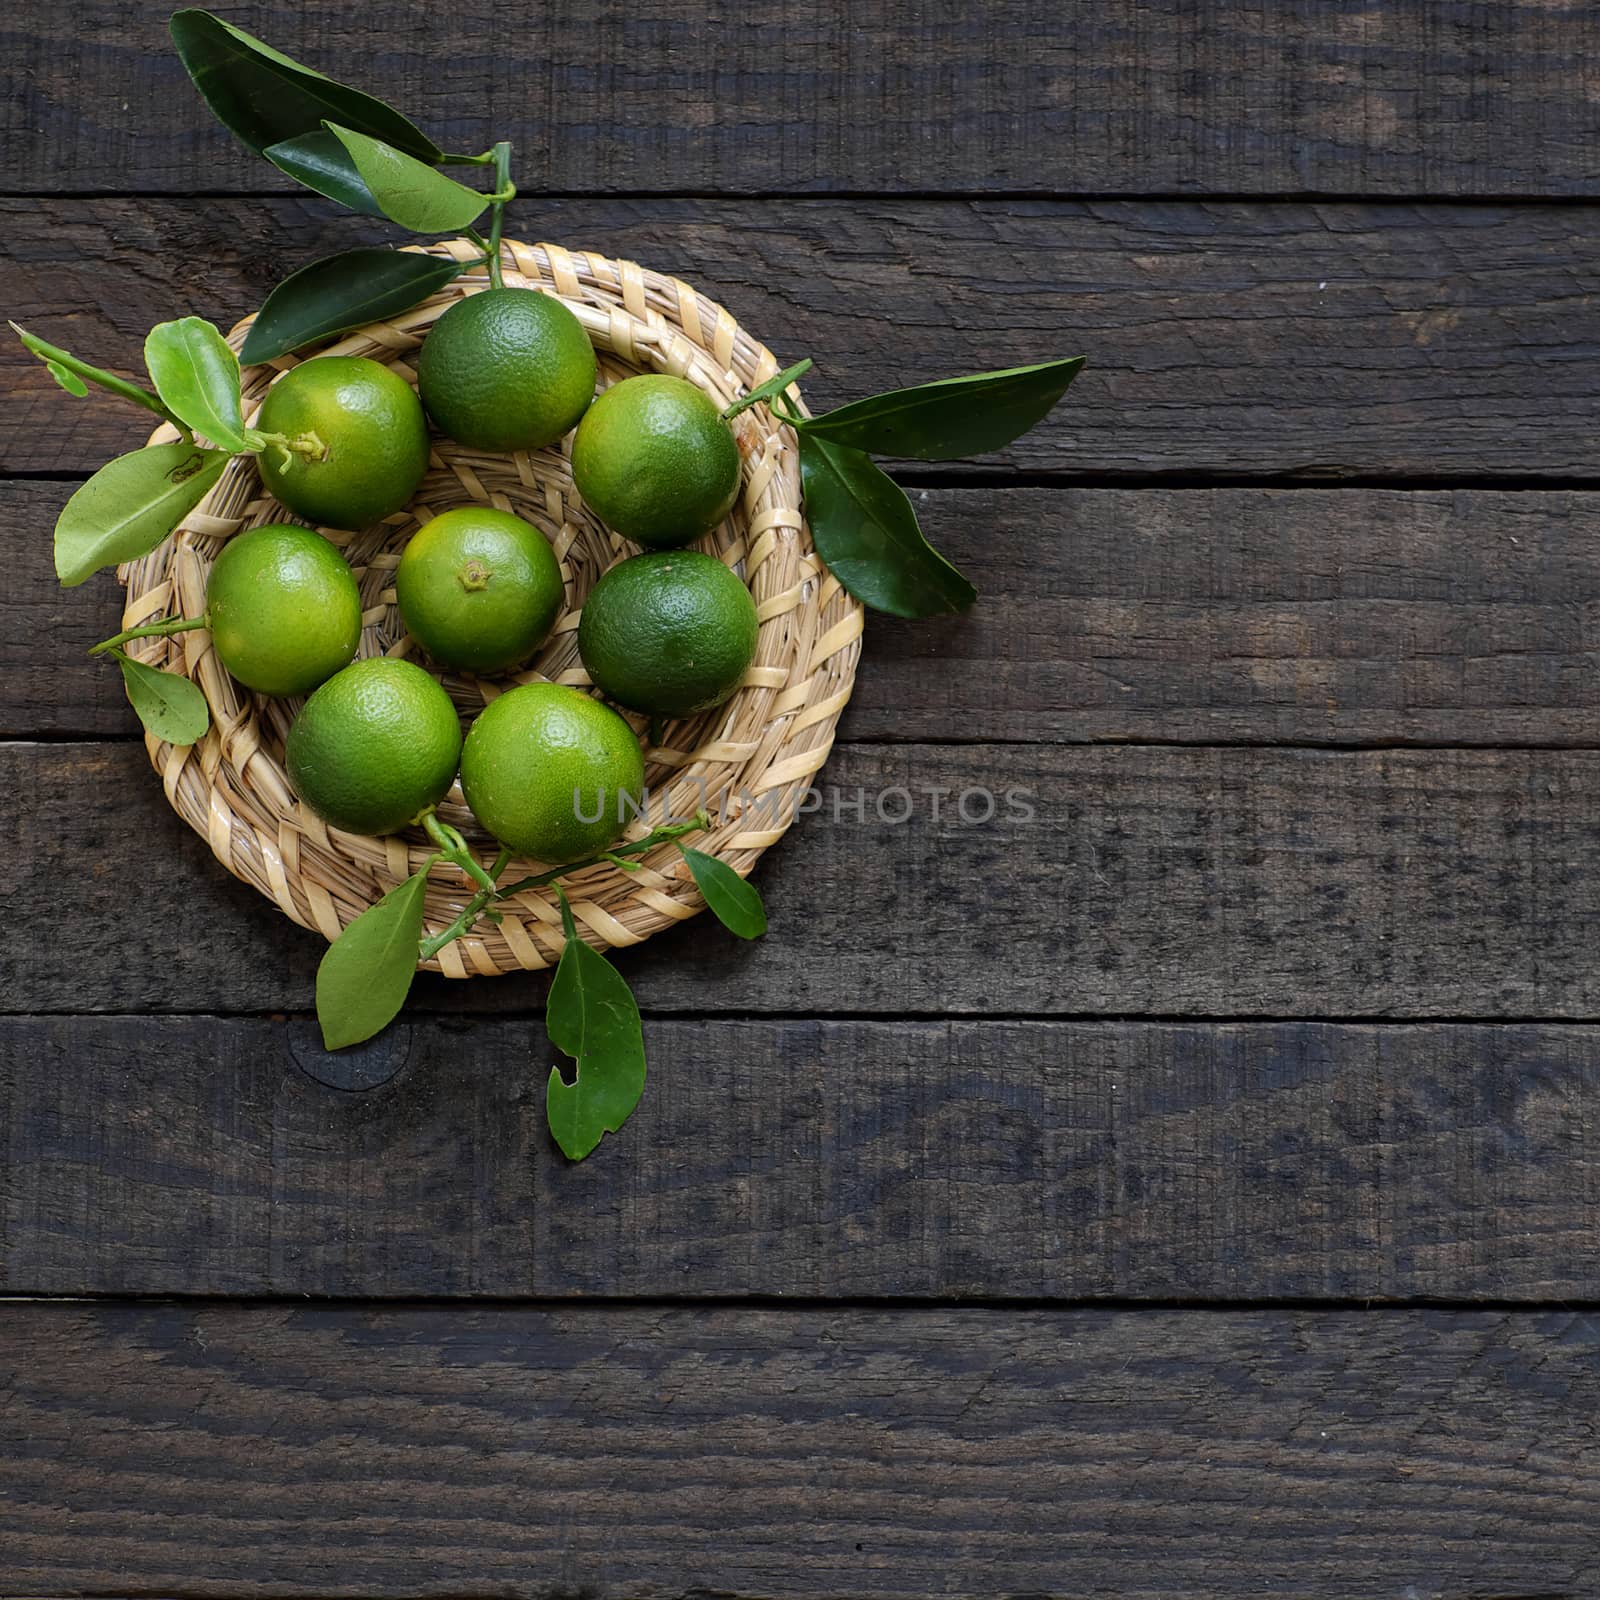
1192,1193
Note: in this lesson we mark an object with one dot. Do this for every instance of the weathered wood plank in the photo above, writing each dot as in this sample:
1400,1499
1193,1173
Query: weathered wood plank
1350,616
1327,340
508,1453
1010,1160
1147,880
1124,96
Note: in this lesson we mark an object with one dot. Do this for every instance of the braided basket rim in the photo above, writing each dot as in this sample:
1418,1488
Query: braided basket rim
749,761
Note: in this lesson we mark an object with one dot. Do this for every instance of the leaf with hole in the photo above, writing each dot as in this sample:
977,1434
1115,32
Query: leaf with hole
867,534
417,196
197,377
366,975
952,418
170,706
591,1016
130,505
320,162
766,393
265,97
733,901
340,292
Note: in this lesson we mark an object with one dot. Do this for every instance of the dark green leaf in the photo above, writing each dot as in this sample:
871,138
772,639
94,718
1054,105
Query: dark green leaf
409,192
264,97
867,534
130,505
591,1015
366,975
735,903
197,376
340,292
70,381
766,392
171,707
320,162
952,418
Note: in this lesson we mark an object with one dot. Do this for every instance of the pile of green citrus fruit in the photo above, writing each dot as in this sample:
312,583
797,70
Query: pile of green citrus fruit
550,772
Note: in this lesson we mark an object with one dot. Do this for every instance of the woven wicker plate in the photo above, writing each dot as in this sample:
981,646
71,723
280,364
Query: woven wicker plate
749,762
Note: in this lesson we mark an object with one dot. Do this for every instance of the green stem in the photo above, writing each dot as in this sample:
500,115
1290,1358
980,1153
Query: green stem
504,191
675,830
150,630
108,381
467,161
448,839
455,848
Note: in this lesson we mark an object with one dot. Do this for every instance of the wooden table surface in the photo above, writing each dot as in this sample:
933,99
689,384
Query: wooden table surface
1190,1191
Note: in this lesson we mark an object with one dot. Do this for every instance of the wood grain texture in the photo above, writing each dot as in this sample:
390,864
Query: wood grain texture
1343,617
501,1453
1471,97
1148,880
1326,340
1006,1160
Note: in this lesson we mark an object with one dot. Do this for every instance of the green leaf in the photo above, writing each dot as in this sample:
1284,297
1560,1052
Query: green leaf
591,1015
130,505
264,97
409,192
170,706
866,532
65,367
952,418
366,975
197,376
320,162
70,381
735,903
768,391
340,292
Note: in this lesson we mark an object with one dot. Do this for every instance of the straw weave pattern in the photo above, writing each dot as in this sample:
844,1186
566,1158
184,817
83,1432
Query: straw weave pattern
749,761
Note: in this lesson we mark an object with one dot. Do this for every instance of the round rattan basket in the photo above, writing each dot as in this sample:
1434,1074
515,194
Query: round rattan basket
748,763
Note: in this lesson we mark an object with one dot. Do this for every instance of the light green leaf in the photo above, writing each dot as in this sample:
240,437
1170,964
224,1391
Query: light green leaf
591,1016
366,975
343,291
735,903
265,97
197,376
70,381
320,162
170,706
130,505
867,534
72,374
411,193
951,418
768,391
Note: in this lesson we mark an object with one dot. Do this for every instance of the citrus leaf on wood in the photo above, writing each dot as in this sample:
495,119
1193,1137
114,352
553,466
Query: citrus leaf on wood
70,381
408,191
591,1016
320,162
735,903
130,505
170,706
867,534
952,418
197,377
364,979
265,97
340,292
